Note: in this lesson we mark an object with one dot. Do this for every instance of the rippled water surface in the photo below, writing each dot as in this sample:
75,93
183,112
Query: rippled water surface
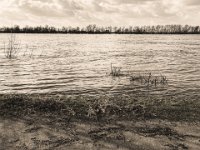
81,63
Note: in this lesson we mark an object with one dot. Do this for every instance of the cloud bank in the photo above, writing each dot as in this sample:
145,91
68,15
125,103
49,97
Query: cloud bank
102,12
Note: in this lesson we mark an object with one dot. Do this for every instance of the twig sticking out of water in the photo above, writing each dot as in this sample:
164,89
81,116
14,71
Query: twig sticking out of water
25,50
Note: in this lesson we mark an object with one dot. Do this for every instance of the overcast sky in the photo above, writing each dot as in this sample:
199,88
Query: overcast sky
101,12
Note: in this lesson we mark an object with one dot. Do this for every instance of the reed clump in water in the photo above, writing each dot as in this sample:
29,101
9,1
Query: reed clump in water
146,79
149,79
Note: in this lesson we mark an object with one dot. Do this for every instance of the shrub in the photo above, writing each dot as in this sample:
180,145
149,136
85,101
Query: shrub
12,47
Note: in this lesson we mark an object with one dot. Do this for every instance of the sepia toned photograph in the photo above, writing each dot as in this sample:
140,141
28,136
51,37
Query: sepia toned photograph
99,75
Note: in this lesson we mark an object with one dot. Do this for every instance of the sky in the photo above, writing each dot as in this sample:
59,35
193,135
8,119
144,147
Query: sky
60,13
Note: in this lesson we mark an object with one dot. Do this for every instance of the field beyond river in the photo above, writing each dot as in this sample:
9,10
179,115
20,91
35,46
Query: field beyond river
44,121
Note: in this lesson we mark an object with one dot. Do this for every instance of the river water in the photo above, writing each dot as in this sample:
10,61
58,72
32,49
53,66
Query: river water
81,64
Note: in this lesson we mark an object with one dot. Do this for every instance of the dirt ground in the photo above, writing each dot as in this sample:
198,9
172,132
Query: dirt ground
40,134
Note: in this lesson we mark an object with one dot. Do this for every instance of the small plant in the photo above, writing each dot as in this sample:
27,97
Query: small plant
115,71
12,47
102,108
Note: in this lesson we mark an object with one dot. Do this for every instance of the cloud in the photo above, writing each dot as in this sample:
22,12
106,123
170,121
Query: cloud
101,12
133,1
192,2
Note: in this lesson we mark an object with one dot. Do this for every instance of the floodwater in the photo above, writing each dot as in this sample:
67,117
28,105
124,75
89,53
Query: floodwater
74,64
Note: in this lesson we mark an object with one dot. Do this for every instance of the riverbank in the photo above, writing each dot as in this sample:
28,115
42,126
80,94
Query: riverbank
99,122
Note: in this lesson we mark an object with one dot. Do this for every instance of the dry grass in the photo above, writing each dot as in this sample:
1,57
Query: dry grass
99,108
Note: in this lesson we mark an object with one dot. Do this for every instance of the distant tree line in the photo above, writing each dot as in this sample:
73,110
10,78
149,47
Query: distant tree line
94,29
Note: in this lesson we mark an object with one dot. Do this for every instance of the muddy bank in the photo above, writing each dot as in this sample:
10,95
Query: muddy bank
140,135
82,122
